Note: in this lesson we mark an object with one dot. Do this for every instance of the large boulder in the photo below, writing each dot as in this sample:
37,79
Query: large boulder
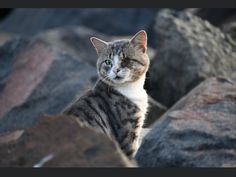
60,141
113,21
188,51
198,131
36,78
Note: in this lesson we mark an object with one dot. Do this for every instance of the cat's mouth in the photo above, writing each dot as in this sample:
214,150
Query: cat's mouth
118,78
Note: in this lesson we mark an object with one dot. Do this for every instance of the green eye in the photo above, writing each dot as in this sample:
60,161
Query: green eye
108,62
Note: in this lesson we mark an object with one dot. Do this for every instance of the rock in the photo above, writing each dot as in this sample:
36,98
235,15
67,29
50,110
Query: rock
154,112
198,131
189,50
112,21
59,141
36,79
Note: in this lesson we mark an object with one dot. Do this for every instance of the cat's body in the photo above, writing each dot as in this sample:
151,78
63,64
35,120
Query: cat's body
118,103
112,113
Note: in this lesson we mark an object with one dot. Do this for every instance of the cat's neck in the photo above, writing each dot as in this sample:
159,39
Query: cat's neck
137,85
137,94
134,89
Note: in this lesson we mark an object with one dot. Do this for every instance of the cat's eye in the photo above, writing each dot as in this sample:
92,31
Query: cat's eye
125,62
108,62
128,60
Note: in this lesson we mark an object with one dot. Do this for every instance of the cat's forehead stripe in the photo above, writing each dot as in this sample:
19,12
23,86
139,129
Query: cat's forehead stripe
117,48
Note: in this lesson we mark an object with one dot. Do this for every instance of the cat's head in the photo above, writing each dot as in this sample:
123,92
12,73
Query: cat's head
122,61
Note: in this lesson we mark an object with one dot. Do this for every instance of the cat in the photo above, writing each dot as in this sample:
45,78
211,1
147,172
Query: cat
118,103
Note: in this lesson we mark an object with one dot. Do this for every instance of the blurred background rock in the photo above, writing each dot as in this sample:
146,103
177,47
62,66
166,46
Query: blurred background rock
47,60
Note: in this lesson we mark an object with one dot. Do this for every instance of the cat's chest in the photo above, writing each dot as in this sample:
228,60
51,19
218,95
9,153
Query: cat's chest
137,96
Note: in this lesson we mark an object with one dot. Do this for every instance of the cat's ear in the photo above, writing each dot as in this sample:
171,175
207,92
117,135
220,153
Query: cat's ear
139,40
98,44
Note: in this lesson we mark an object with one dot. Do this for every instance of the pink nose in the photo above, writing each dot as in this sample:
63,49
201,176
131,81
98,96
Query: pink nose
115,70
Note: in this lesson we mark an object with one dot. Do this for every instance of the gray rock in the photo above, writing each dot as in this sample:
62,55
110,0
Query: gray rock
188,51
155,111
198,131
59,141
37,79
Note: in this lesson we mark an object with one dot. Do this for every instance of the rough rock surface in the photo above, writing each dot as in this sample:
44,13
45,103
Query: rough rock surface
127,21
36,78
189,50
198,131
60,141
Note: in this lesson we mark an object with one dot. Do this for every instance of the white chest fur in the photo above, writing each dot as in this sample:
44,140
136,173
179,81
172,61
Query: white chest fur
136,93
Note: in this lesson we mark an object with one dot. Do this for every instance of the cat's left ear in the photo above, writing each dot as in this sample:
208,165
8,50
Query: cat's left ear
139,40
98,44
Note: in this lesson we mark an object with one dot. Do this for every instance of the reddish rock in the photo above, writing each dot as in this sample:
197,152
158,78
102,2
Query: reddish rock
59,141
29,68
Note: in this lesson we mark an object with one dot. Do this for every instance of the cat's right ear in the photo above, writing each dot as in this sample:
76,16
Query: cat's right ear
98,44
139,40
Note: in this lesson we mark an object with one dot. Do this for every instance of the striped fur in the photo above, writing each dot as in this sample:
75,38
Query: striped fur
110,112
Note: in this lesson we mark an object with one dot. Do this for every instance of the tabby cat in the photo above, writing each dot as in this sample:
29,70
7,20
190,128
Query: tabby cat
118,102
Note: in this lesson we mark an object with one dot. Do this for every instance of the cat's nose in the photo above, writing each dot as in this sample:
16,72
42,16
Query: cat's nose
116,70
